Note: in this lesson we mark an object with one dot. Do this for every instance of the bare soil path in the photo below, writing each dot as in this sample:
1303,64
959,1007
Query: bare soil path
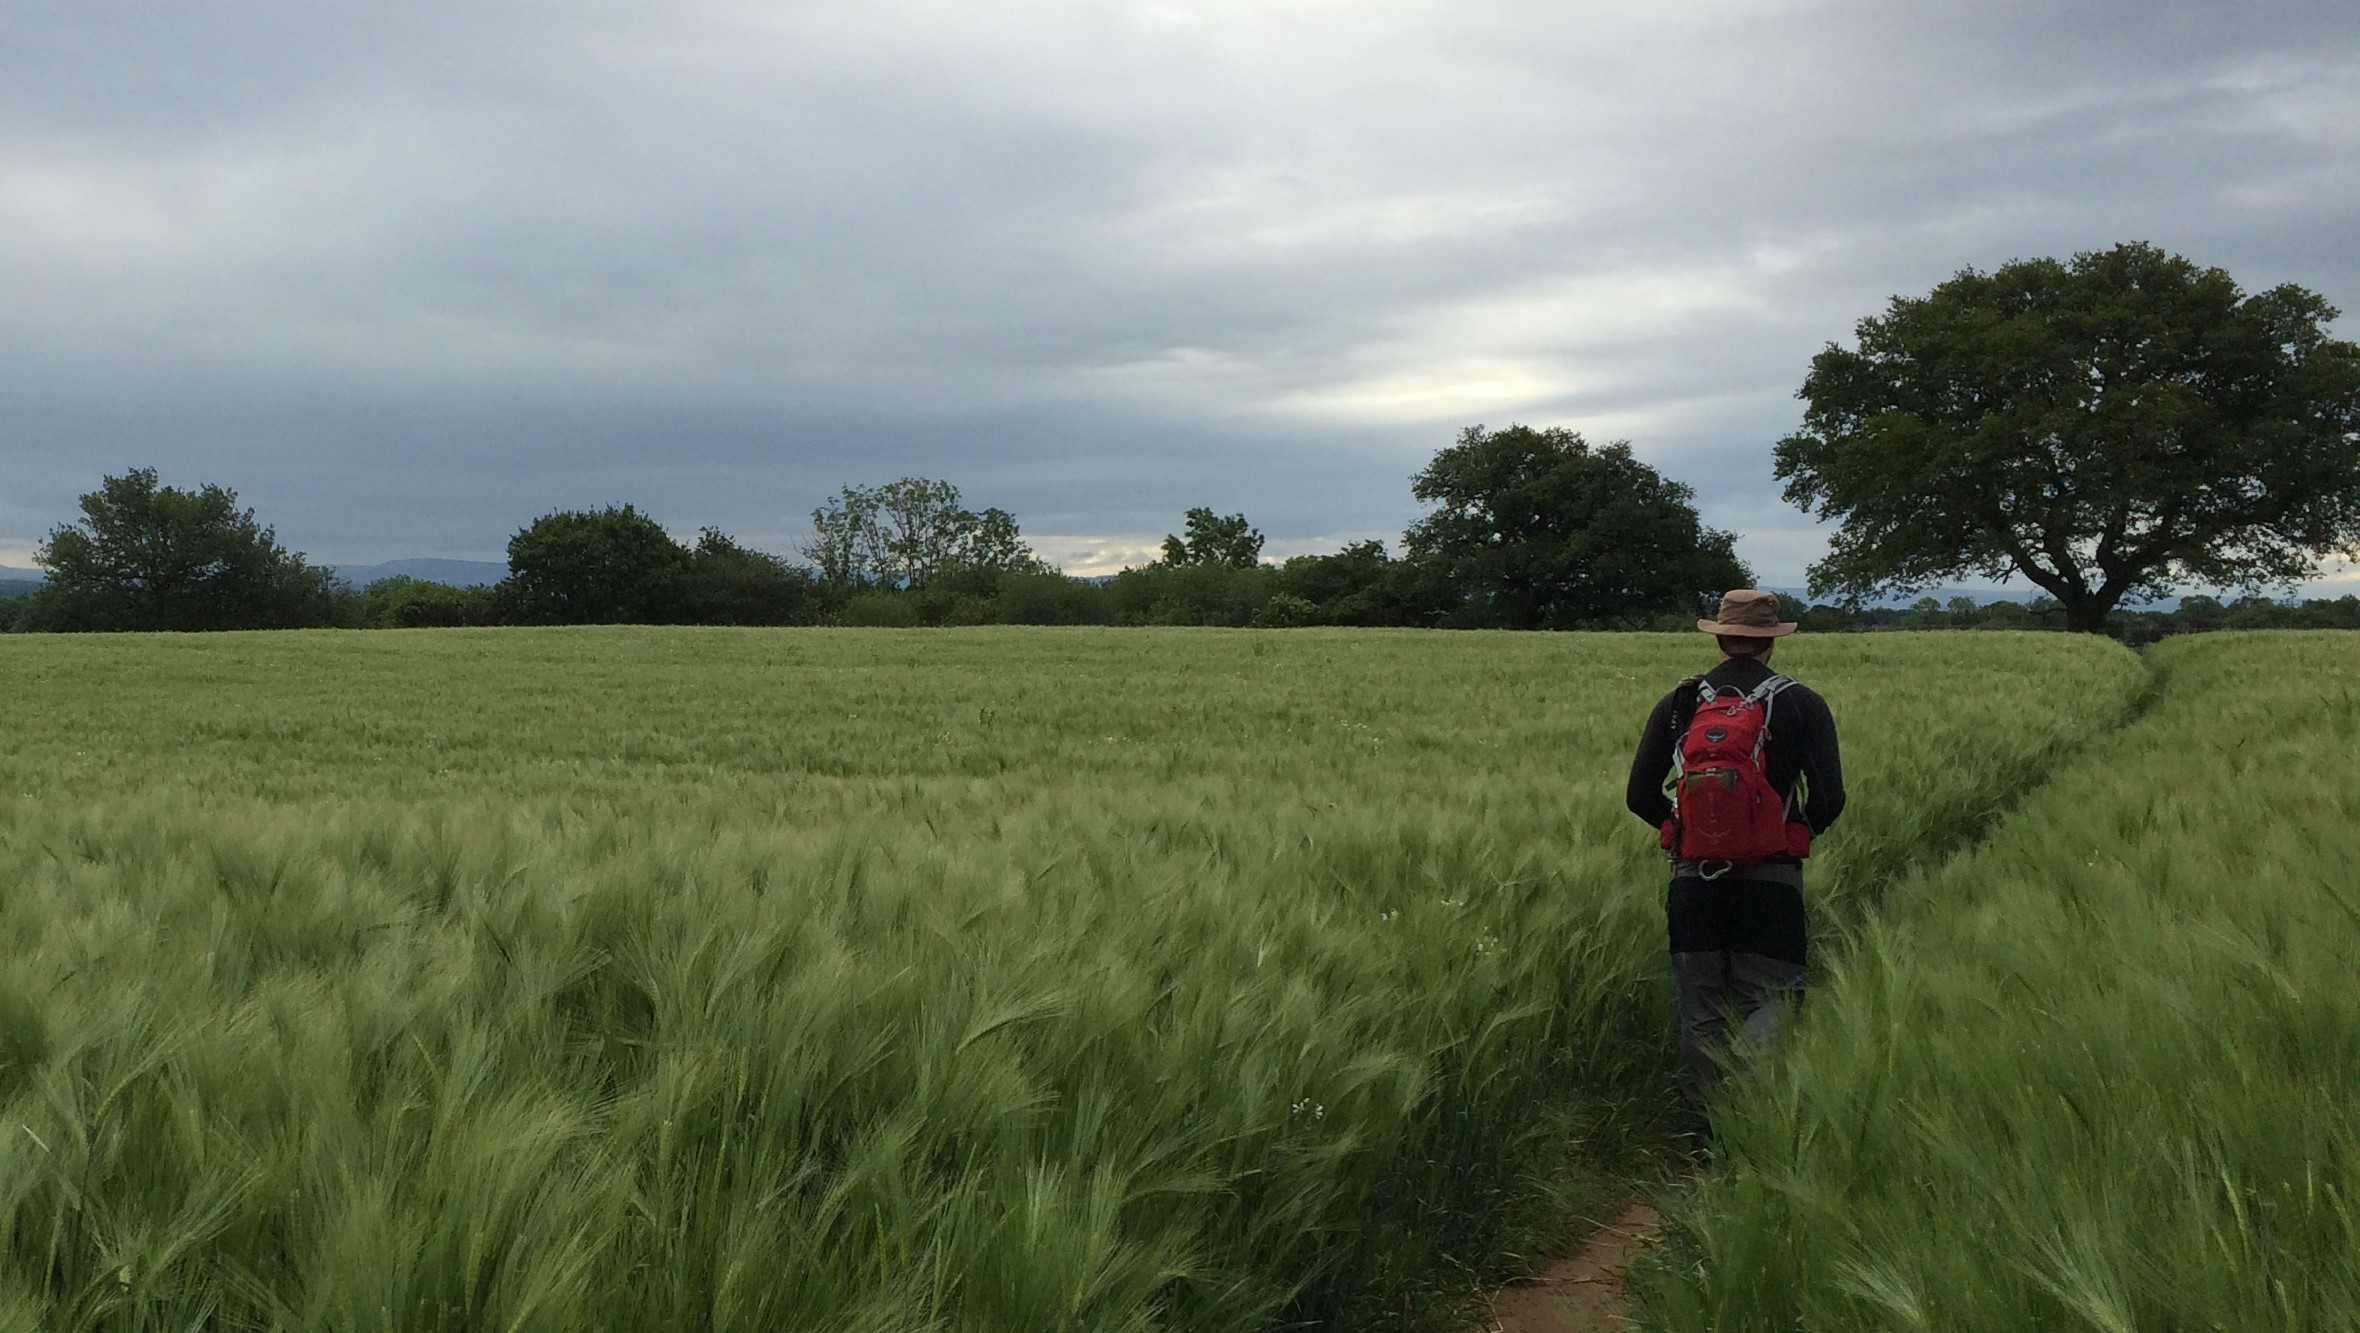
1582,1292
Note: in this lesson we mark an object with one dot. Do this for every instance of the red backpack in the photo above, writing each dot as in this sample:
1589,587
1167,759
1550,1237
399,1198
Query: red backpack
1723,806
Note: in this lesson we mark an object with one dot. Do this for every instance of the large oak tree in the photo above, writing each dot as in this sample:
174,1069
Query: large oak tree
2121,423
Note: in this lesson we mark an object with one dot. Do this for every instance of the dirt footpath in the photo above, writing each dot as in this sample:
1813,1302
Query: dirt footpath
1583,1292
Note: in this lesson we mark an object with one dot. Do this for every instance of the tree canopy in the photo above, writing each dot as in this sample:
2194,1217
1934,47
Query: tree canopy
1537,530
2117,424
1214,539
592,566
720,582
145,556
908,533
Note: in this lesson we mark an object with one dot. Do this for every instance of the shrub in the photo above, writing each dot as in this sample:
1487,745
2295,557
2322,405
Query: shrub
402,602
1050,599
1286,611
723,583
880,610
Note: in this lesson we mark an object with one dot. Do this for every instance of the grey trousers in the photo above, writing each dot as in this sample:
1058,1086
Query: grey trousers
1720,989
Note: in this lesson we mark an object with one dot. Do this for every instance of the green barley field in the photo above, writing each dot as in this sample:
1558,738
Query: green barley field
2101,1073
1012,979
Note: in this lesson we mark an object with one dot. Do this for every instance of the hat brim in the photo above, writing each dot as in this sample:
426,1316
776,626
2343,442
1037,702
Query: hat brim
1783,627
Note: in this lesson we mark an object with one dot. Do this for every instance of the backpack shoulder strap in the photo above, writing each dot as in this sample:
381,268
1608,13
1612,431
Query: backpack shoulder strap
1687,696
1766,694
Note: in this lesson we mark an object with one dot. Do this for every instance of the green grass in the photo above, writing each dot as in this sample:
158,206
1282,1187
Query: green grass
2103,1073
1004,979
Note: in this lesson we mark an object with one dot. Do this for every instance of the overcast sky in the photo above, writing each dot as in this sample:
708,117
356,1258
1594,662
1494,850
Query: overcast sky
408,275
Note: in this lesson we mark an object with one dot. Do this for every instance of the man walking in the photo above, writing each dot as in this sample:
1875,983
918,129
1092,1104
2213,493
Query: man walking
1737,930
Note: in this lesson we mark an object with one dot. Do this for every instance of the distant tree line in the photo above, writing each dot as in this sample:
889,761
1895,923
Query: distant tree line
2106,428
2137,626
1504,548
1530,529
2134,625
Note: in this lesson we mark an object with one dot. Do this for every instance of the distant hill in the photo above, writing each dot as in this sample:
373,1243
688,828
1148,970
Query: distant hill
460,573
1982,596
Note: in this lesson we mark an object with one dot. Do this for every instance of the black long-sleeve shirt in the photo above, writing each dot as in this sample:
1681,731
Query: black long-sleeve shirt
1801,745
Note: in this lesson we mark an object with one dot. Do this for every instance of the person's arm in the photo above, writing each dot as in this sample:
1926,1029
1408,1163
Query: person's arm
1823,769
1650,766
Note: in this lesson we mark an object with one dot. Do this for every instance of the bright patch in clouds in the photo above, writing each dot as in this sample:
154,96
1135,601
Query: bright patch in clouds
1443,392
408,277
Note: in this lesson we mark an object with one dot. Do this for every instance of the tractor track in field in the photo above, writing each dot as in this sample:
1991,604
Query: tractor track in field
1584,1290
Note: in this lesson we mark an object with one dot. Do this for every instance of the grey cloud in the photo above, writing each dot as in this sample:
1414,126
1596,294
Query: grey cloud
407,276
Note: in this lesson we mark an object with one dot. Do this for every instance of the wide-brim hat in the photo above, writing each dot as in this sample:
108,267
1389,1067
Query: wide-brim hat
1748,613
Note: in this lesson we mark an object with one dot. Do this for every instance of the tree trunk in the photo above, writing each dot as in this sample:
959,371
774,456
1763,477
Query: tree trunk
2087,615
